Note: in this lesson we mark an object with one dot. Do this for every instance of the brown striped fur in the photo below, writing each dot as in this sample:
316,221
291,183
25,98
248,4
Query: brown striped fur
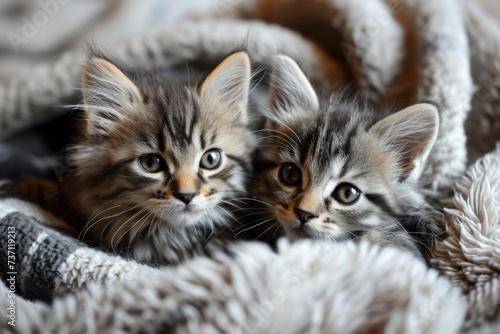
164,216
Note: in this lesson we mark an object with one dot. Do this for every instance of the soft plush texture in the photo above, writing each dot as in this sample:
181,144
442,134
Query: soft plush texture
395,52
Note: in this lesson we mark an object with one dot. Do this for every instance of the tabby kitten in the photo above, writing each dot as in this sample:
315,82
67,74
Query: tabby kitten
160,159
330,170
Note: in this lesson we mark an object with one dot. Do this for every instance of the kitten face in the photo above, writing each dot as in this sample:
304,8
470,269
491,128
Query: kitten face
334,171
158,153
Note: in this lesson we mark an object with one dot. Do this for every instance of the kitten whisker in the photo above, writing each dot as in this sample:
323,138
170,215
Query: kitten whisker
151,225
270,227
279,121
227,213
131,238
122,225
254,226
254,210
58,193
253,214
92,216
287,143
240,219
209,238
276,230
88,226
252,199
290,139
234,205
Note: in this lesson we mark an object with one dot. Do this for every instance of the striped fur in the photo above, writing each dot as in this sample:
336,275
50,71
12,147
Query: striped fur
333,143
145,214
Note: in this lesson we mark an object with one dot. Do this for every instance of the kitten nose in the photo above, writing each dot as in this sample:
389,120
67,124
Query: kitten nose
185,197
304,215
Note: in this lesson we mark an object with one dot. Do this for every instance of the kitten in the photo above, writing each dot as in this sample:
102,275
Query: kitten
160,159
330,170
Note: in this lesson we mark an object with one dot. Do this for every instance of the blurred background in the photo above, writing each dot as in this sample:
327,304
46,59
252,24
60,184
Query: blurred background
34,32
37,31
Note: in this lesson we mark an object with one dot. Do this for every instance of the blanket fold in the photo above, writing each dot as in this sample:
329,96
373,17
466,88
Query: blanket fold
395,53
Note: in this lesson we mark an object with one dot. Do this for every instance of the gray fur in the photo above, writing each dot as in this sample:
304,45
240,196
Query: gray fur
336,142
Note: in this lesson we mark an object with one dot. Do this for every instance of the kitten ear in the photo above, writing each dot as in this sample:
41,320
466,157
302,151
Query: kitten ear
229,83
290,91
411,132
108,95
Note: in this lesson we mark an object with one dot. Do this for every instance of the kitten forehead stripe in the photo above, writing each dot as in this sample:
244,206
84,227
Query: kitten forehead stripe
160,137
203,142
346,148
324,143
343,170
306,149
194,122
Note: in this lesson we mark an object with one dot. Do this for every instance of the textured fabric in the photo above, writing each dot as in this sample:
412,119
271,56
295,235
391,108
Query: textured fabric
470,256
393,51
306,287
42,255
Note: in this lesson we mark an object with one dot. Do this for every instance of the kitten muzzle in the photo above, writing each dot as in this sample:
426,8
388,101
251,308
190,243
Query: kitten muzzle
305,216
185,197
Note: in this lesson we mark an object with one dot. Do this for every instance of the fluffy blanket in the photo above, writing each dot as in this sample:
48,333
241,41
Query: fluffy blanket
394,52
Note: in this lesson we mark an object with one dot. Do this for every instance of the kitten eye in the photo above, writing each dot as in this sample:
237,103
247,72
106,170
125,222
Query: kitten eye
151,163
211,159
346,193
290,174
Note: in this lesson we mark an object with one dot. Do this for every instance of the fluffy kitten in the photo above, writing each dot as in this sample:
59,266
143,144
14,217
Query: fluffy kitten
159,159
330,170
